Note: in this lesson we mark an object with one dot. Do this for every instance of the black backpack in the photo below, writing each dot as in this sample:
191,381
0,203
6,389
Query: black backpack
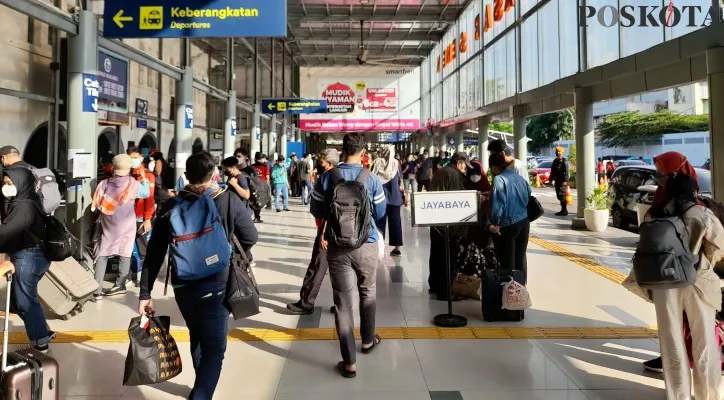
259,190
348,224
58,242
663,259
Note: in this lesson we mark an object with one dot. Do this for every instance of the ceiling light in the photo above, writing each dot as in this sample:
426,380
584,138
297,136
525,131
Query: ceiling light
364,1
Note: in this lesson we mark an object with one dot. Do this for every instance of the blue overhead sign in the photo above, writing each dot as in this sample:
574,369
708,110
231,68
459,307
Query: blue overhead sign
194,18
293,106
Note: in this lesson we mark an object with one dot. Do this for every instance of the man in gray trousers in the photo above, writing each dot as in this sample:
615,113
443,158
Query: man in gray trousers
317,269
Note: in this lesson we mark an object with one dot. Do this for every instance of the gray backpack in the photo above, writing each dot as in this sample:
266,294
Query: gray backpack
663,259
46,186
348,224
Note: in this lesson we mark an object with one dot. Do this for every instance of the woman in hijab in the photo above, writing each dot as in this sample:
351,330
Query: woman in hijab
387,169
20,232
114,198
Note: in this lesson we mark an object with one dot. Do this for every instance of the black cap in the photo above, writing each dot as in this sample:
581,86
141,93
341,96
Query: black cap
461,156
5,150
280,158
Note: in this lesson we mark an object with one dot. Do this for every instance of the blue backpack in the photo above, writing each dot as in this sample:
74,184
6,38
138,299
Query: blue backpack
198,245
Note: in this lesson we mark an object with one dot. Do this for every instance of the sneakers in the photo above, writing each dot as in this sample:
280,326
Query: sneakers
97,298
279,210
115,291
43,348
654,365
562,213
258,221
396,253
297,309
287,210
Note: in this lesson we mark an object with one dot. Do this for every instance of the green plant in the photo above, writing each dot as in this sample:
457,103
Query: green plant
572,176
599,199
572,154
545,129
633,128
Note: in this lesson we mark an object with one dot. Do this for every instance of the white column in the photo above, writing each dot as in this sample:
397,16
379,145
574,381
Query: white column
283,138
585,147
520,140
431,147
460,141
483,141
443,143
271,148
255,140
715,72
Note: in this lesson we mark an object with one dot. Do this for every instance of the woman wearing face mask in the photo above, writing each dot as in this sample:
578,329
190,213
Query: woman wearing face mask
22,226
476,181
388,170
114,198
509,216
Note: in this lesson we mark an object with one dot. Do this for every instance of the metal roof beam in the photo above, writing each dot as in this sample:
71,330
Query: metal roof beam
373,52
319,14
344,36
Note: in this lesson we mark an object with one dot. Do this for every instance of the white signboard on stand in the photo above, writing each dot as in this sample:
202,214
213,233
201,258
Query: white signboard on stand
445,208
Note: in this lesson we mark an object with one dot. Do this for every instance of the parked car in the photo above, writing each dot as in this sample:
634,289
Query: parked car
707,164
543,171
628,163
632,185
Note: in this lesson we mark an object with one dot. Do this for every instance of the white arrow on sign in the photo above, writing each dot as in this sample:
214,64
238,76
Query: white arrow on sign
95,104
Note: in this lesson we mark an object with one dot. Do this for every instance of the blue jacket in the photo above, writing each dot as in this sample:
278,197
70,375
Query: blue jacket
509,199
323,193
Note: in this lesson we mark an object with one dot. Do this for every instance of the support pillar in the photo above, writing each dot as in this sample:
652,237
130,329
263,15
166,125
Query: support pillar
443,144
715,80
183,130
265,141
483,123
283,138
230,118
82,123
460,140
271,150
520,140
255,140
431,146
585,152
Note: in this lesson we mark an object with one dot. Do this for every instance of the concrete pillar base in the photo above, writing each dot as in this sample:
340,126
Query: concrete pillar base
579,224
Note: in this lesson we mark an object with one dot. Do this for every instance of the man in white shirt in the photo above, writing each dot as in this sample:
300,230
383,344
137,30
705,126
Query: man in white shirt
499,147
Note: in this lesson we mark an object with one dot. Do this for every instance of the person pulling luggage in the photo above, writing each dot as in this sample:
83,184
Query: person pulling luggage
196,226
20,232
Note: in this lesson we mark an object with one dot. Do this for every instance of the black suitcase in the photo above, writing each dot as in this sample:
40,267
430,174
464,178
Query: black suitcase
492,286
26,373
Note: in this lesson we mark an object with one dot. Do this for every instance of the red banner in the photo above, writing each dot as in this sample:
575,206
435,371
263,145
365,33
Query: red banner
340,98
379,99
359,125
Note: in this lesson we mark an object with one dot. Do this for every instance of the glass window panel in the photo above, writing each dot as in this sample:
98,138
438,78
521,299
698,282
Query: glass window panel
478,75
602,42
548,45
637,38
511,69
568,37
489,76
529,53
499,68
689,15
526,5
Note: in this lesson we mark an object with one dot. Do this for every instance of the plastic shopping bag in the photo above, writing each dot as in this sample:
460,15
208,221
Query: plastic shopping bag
153,356
515,296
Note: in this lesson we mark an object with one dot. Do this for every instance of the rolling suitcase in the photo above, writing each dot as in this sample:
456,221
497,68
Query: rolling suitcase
492,281
26,373
66,287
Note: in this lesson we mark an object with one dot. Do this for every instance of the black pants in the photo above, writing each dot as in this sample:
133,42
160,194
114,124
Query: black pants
393,215
511,246
423,184
437,265
295,187
315,274
561,193
257,211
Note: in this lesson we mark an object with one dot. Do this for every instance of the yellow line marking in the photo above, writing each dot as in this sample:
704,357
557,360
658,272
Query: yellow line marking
293,335
585,262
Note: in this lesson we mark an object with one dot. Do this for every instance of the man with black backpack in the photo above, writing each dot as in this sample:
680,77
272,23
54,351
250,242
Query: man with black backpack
196,226
349,199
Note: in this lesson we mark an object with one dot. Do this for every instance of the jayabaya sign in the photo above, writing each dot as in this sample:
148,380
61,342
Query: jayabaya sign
445,208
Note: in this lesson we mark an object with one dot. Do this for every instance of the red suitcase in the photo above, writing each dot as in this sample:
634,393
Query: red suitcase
26,373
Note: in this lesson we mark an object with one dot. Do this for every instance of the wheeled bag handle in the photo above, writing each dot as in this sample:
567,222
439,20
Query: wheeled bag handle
6,335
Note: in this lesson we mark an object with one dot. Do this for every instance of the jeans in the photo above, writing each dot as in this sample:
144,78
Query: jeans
315,274
30,266
202,307
511,246
306,191
281,189
410,185
124,270
347,268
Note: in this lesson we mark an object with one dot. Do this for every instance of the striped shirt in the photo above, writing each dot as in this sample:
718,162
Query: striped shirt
323,193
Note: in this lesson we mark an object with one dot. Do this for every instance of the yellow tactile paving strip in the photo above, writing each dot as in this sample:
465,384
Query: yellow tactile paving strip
294,335
587,263
513,332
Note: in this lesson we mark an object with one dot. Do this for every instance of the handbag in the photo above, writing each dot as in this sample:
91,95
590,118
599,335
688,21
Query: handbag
535,209
466,286
153,355
242,294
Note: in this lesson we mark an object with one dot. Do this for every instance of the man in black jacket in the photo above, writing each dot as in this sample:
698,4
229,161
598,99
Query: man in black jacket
202,302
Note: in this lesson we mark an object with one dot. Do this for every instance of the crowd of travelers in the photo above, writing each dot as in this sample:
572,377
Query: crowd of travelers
357,202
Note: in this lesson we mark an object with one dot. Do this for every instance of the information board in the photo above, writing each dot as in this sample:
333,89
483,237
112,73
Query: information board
195,18
293,106
445,208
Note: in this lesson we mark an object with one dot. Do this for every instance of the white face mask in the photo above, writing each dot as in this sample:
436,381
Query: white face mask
475,178
135,163
9,191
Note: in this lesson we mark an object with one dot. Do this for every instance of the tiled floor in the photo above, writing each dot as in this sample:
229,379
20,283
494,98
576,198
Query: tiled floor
563,293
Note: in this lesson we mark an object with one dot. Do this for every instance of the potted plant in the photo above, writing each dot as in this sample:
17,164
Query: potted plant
596,213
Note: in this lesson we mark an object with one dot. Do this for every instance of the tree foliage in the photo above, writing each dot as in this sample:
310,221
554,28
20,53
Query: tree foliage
572,154
506,127
632,128
545,129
